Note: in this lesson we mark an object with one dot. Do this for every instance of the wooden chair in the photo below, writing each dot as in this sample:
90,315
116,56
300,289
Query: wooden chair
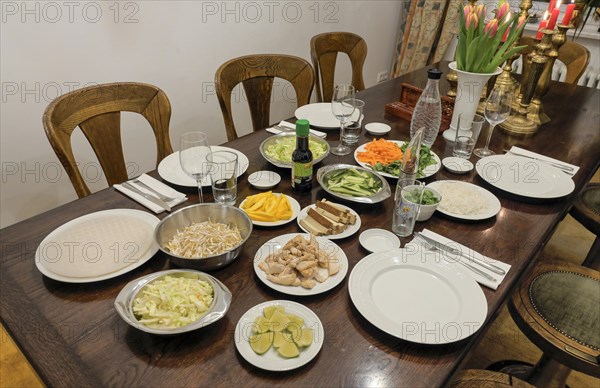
575,57
324,49
586,211
477,378
256,73
97,111
556,307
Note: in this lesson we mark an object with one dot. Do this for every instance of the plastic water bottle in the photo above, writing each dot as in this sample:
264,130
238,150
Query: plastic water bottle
428,111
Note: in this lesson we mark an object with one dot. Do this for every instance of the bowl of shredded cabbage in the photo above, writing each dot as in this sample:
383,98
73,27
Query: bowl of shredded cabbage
205,236
278,149
173,301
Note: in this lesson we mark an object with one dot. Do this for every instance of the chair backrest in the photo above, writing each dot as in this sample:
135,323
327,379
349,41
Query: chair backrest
256,73
97,111
575,57
324,49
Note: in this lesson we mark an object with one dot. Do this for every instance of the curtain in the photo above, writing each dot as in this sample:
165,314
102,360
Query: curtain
426,29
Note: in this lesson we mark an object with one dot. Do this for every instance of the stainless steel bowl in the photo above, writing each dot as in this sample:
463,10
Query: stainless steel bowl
167,228
379,196
279,163
220,305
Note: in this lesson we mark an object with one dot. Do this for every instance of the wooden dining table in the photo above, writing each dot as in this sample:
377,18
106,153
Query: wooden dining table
73,336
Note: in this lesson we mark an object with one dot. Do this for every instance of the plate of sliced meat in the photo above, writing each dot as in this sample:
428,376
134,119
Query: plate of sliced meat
300,264
329,219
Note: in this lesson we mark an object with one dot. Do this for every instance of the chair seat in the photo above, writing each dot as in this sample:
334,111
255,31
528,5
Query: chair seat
587,208
477,378
557,308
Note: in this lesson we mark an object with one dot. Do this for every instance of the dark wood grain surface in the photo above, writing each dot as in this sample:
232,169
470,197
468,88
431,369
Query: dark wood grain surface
73,336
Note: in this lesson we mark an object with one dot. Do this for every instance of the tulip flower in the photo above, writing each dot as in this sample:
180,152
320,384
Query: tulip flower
467,10
503,10
480,11
522,20
472,21
491,27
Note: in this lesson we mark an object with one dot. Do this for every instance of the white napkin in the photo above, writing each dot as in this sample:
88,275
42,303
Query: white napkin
292,127
518,150
451,259
156,185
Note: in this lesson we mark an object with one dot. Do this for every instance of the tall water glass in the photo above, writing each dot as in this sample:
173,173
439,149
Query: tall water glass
467,136
406,209
223,169
497,109
342,107
193,156
354,126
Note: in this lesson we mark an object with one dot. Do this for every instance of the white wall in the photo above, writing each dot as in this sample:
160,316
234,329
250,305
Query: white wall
48,48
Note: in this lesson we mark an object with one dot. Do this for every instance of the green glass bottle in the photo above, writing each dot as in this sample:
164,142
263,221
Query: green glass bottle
302,158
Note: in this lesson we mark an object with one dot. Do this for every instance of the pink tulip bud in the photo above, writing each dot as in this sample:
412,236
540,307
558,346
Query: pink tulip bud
480,11
467,10
472,21
491,27
503,10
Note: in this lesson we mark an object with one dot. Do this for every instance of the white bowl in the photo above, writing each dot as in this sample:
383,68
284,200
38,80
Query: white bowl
457,165
426,211
378,240
378,128
264,179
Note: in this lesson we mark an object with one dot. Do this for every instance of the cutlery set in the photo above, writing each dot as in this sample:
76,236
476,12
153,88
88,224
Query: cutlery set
568,169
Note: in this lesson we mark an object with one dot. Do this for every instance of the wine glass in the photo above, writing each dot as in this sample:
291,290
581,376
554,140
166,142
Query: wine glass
193,157
497,109
342,107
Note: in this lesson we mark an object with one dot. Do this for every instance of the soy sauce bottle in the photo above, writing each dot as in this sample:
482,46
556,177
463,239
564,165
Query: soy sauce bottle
302,158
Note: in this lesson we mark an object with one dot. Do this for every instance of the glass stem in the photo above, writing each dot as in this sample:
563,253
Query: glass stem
487,143
200,197
342,128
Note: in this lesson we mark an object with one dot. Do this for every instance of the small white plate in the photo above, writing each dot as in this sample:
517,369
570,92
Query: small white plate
325,244
271,360
264,179
295,210
378,128
349,231
378,240
457,165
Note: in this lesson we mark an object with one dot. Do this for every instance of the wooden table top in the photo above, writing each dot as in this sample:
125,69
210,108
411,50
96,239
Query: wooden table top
72,335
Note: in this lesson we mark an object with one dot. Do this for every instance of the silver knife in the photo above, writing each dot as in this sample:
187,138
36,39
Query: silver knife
455,251
555,164
149,197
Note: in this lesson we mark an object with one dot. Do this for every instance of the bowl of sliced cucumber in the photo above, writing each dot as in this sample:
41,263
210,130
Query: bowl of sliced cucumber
353,183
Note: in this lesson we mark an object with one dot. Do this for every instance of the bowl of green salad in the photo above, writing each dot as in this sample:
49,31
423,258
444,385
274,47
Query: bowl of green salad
278,149
353,183
430,201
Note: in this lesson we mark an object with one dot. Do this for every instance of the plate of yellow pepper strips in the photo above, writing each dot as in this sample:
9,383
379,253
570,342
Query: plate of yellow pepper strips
270,209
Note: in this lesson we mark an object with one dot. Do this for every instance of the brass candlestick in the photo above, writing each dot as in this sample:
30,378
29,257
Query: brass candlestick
551,42
540,49
518,123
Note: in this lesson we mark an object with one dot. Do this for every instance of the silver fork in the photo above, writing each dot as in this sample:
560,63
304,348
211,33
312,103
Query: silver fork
159,195
469,266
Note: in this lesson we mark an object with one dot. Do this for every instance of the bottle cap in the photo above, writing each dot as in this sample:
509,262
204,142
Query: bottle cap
302,127
434,74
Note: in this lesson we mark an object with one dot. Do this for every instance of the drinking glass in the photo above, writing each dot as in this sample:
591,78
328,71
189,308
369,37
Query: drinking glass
406,209
223,176
193,156
342,107
353,128
467,136
497,109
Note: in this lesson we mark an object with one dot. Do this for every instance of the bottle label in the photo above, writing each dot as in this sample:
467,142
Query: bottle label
301,173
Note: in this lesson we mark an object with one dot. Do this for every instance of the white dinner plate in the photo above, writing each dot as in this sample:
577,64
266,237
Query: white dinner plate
271,360
492,204
319,115
428,171
349,231
98,246
170,169
325,244
295,210
411,294
524,176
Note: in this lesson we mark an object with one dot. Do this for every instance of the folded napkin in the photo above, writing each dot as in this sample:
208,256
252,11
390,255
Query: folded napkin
517,150
292,127
451,259
156,185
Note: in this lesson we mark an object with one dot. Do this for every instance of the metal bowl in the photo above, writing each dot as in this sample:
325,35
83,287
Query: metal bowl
379,196
167,228
220,305
271,140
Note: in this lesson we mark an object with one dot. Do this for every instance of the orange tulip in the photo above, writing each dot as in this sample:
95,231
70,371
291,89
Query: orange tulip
491,27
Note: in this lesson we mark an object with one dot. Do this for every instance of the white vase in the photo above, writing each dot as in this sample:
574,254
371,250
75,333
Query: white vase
468,92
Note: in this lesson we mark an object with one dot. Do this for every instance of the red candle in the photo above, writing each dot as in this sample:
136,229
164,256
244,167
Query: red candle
553,18
552,5
543,24
568,14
